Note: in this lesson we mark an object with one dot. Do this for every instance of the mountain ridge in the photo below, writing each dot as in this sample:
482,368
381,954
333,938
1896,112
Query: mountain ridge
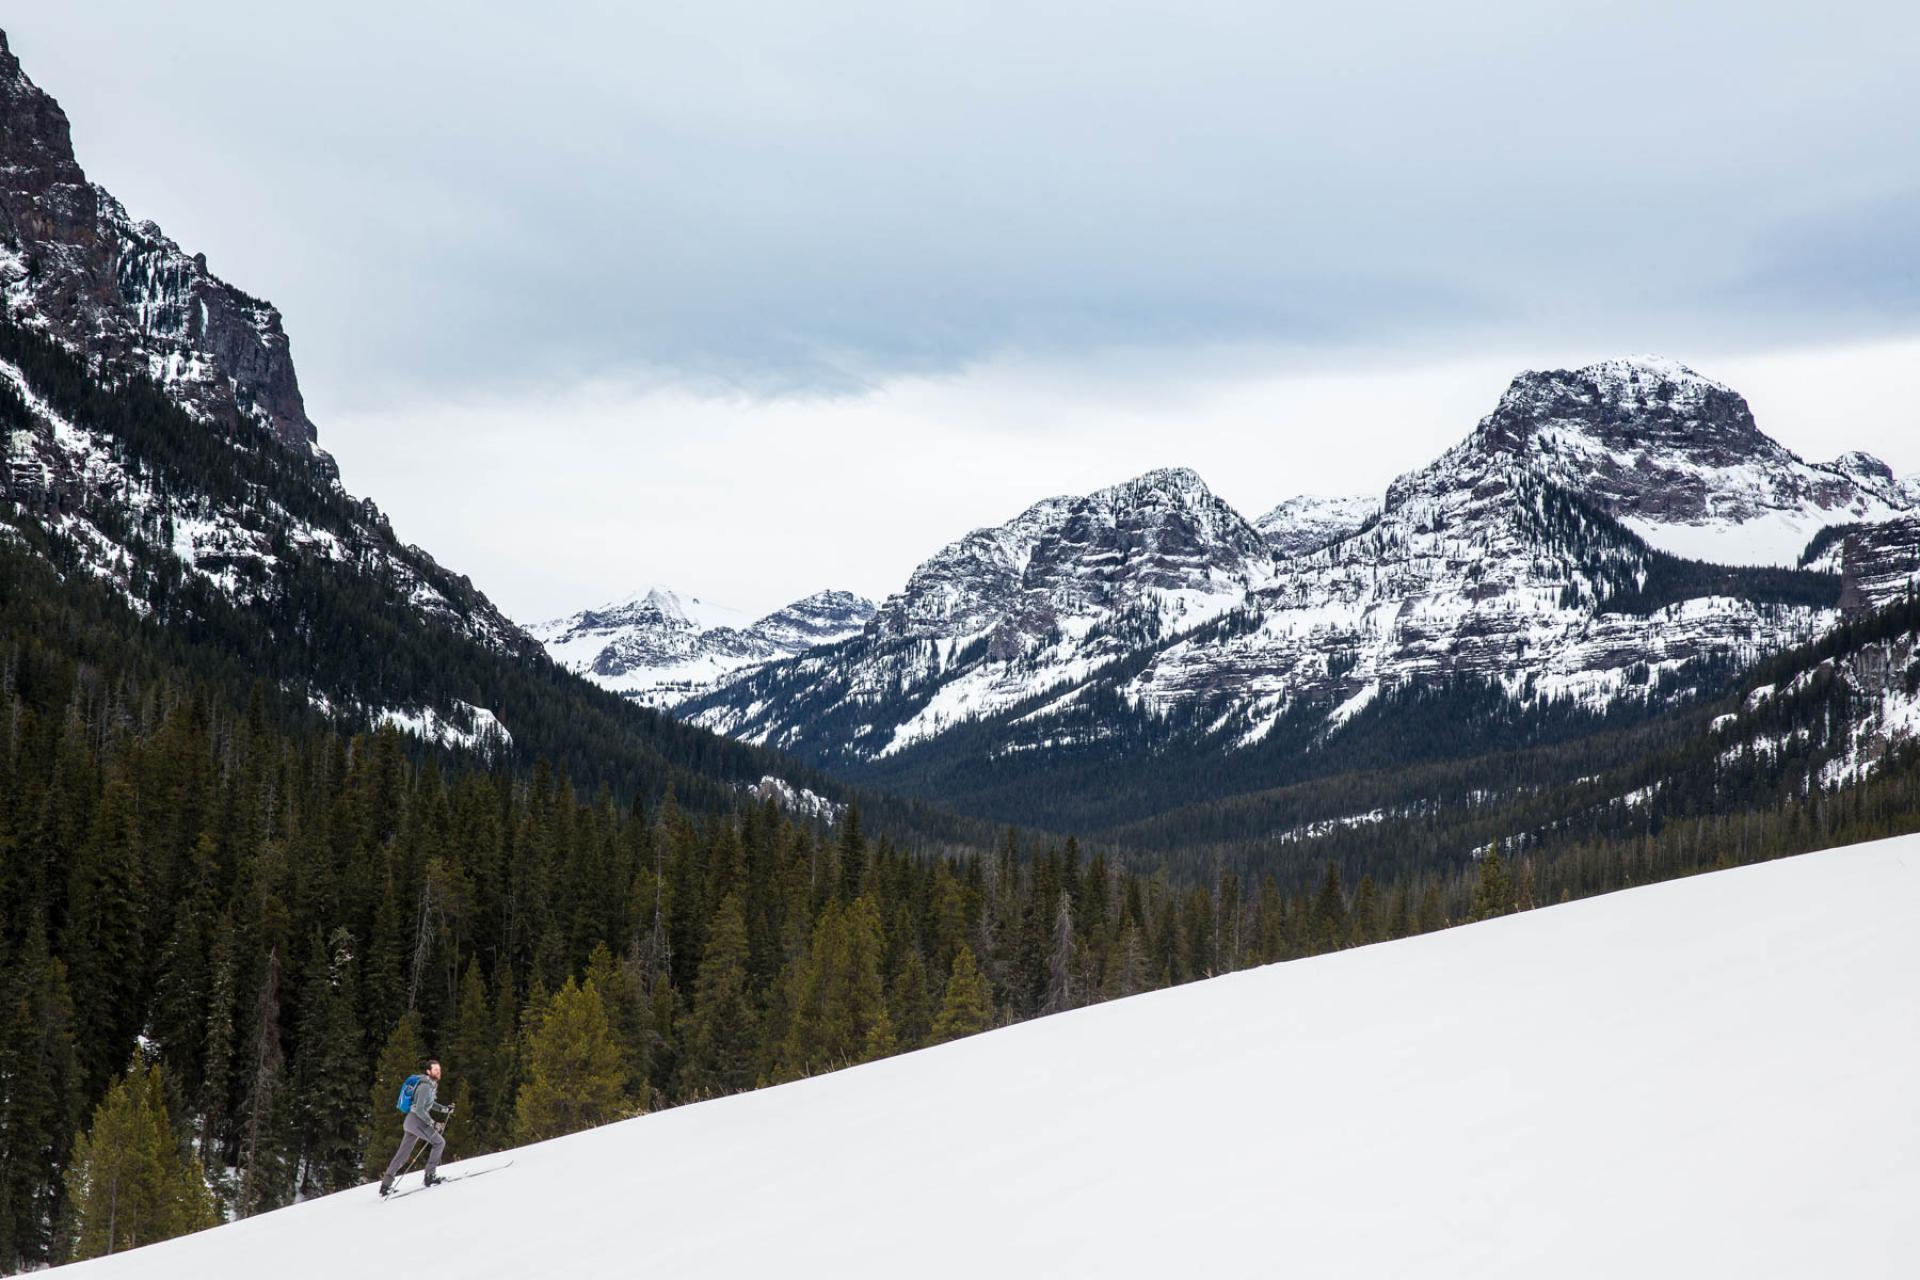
1534,554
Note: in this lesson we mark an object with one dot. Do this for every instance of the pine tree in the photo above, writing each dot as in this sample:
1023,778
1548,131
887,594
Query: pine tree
129,1183
722,1035
628,1013
575,1078
852,855
102,942
1366,913
1399,912
472,1052
1060,994
1330,924
40,1099
217,1082
967,1007
1433,911
1493,890
266,1159
331,1070
400,1057
909,1003
834,992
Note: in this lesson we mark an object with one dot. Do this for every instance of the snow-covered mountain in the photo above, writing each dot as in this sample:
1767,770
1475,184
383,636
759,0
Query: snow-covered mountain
1678,459
1549,552
1688,1078
1309,522
111,330
659,647
1066,588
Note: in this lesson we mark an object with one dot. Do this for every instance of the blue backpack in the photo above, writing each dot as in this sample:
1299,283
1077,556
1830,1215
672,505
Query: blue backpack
406,1093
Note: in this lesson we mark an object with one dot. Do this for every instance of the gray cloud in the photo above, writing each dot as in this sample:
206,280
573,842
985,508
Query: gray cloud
817,197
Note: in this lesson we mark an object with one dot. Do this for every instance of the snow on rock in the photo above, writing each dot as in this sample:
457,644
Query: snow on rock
1007,613
1704,1077
1678,458
798,801
1309,522
1498,561
660,647
465,726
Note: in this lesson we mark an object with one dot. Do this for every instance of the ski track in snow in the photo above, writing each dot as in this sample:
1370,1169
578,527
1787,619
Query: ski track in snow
1712,1076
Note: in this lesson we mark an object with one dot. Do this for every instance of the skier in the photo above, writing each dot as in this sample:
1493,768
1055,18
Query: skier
419,1127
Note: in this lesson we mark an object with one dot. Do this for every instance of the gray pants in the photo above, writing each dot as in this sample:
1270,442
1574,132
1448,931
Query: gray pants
415,1131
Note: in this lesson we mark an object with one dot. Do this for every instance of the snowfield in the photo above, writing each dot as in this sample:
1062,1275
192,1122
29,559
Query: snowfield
1714,1076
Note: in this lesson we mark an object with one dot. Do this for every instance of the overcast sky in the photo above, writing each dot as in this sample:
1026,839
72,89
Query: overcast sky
757,298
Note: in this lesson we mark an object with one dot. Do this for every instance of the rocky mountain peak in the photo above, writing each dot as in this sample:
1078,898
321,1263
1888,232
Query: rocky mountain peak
1078,558
1628,403
76,266
1675,455
1872,475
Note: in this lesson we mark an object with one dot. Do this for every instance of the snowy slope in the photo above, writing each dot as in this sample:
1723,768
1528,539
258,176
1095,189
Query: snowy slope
1707,1077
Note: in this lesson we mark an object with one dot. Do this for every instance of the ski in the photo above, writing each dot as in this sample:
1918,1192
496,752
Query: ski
452,1177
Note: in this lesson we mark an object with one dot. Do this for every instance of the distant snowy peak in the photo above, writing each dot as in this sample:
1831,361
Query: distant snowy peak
659,646
1679,459
1162,540
667,606
825,617
1874,476
1309,522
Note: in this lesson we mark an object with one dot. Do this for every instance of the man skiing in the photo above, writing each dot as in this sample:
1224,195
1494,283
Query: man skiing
419,1127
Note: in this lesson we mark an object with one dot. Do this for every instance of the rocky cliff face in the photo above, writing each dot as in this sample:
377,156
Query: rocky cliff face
1678,458
659,647
74,264
1880,563
152,430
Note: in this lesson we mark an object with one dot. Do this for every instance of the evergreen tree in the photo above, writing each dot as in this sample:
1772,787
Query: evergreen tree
1330,924
967,1007
40,1098
1366,913
331,1070
472,1057
629,1013
266,1157
400,1057
722,1035
1060,995
129,1183
1493,890
909,1002
835,994
852,852
103,942
575,1078
1433,912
